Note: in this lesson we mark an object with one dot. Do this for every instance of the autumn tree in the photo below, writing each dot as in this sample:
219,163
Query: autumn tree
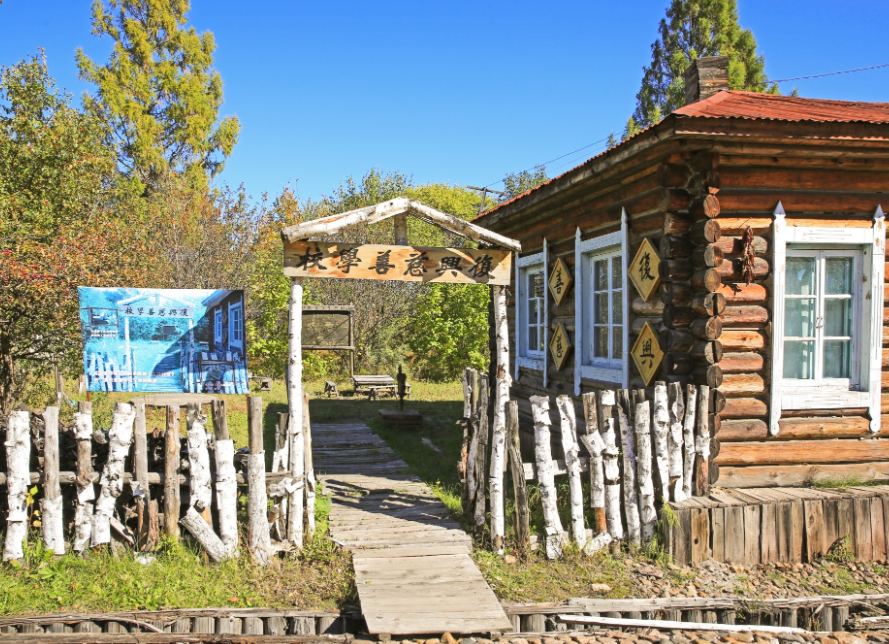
694,29
159,92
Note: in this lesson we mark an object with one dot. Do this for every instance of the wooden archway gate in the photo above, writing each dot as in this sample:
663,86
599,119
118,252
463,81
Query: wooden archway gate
306,254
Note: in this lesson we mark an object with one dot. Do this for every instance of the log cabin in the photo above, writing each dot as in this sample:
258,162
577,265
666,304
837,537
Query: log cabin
742,239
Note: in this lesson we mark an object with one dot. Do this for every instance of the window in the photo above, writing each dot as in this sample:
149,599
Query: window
236,326
601,309
828,311
606,309
821,321
530,309
217,327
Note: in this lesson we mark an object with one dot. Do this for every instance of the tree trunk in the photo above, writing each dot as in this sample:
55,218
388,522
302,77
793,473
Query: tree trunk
481,438
677,414
51,520
86,492
18,480
204,535
172,447
294,408
594,444
644,470
688,436
572,464
546,476
631,500
119,438
258,537
309,469
501,395
661,435
520,490
201,490
612,470
702,443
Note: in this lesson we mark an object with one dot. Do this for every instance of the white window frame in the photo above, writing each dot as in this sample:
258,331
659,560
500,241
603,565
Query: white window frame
524,357
217,327
612,371
865,388
232,340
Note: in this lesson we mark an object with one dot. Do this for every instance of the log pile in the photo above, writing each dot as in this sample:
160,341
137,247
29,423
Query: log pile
82,473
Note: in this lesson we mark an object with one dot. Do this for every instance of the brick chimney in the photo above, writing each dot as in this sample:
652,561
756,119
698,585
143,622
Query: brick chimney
704,77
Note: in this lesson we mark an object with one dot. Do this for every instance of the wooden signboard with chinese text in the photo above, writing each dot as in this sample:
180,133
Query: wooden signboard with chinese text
560,347
645,270
647,354
401,263
560,281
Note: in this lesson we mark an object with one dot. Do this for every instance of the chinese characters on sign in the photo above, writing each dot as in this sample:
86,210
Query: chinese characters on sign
560,281
404,263
645,270
560,347
647,354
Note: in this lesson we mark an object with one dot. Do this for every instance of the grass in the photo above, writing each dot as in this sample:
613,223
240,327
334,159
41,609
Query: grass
842,483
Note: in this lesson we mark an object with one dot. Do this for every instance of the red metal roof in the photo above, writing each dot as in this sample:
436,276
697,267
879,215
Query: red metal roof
752,105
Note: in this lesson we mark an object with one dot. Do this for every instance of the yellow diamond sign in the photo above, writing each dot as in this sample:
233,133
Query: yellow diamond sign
647,354
560,281
645,270
560,347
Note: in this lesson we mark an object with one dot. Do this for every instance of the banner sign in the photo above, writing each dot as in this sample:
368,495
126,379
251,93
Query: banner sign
163,340
402,263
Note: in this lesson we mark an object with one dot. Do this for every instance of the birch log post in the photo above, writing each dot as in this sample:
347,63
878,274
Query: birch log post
520,489
481,439
660,434
702,443
594,444
570,448
172,447
201,486
466,422
226,480
52,523
146,507
204,535
258,537
119,438
688,439
648,515
294,408
611,468
86,492
18,480
631,499
674,441
281,453
310,469
546,476
501,395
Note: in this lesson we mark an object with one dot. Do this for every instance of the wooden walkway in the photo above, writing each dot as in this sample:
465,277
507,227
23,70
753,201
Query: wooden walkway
412,565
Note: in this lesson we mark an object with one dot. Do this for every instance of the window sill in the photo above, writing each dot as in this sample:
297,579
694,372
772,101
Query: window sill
535,364
822,398
602,374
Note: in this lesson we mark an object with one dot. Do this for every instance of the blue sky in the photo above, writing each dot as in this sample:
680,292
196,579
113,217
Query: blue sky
458,92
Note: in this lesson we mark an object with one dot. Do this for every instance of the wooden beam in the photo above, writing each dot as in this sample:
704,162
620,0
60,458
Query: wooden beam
804,452
799,475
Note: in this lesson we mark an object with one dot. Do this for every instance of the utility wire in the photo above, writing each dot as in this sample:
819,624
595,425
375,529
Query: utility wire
545,163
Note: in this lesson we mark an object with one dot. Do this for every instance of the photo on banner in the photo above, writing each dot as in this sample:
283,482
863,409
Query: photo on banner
164,340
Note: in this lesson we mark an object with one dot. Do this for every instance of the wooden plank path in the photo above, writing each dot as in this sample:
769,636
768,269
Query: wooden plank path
412,565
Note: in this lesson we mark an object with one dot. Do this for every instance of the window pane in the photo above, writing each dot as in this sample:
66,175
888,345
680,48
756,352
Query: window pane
600,342
837,318
799,318
533,342
532,311
538,284
617,303
799,360
800,275
617,343
838,271
837,358
600,279
616,273
540,337
601,308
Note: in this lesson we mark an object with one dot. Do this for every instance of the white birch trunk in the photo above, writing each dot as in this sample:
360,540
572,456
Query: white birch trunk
677,413
661,436
201,490
281,455
227,495
86,494
546,476
18,480
572,463
498,441
688,439
295,507
310,469
702,436
631,500
594,444
259,539
52,524
120,436
598,542
648,515
611,468
204,535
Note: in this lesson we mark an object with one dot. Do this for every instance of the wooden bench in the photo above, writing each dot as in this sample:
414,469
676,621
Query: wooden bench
330,389
372,385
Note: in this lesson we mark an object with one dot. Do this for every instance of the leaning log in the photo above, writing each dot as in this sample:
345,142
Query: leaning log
204,535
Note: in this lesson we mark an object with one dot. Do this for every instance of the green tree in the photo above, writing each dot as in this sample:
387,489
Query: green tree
159,92
515,183
694,29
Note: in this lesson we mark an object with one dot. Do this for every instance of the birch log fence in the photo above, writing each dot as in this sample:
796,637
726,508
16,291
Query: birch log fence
125,487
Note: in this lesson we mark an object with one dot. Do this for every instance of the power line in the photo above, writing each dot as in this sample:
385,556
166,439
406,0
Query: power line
844,71
545,163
